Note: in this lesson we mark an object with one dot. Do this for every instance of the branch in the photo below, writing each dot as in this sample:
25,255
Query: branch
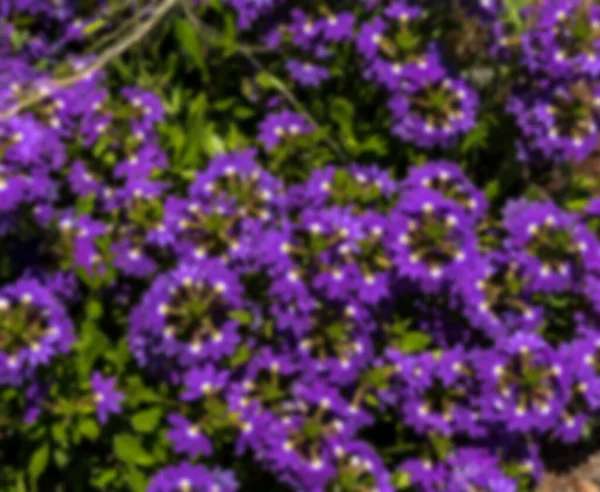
110,54
247,52
126,26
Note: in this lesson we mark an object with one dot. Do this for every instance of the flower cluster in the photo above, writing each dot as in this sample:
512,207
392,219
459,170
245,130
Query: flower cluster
317,324
557,112
296,331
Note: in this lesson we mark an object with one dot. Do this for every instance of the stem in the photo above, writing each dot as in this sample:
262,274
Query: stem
213,37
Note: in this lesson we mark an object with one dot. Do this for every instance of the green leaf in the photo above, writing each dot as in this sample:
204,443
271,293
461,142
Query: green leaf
414,341
188,39
38,462
85,204
492,190
268,81
577,204
137,480
244,317
442,445
401,479
93,309
92,344
241,356
94,26
476,138
342,112
105,478
147,420
61,458
89,428
129,449
513,12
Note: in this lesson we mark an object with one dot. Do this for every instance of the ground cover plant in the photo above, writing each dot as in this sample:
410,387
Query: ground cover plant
270,245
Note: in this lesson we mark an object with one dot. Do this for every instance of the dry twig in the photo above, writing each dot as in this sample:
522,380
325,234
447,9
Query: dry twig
106,57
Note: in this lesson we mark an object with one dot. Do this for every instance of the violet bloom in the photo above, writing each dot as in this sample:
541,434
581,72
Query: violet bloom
558,123
82,181
250,11
524,383
432,241
562,40
106,399
35,396
139,165
337,27
355,262
393,49
425,474
584,388
77,235
486,10
132,260
304,31
148,108
434,111
184,316
554,250
477,469
31,144
266,381
307,74
187,438
448,179
439,395
202,382
495,298
285,125
186,477
235,181
336,346
360,461
34,329
299,445
18,187
359,187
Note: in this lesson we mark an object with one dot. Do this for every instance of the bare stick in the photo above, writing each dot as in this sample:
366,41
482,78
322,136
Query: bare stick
110,54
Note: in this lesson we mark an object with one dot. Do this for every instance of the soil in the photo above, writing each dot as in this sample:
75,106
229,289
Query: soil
584,478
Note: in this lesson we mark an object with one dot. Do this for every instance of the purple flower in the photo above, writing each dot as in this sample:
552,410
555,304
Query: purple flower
306,73
356,186
304,31
184,316
82,181
202,382
448,179
187,438
525,383
148,107
30,144
563,40
554,250
495,298
337,27
434,110
557,123
34,329
432,239
185,476
475,468
284,125
106,399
